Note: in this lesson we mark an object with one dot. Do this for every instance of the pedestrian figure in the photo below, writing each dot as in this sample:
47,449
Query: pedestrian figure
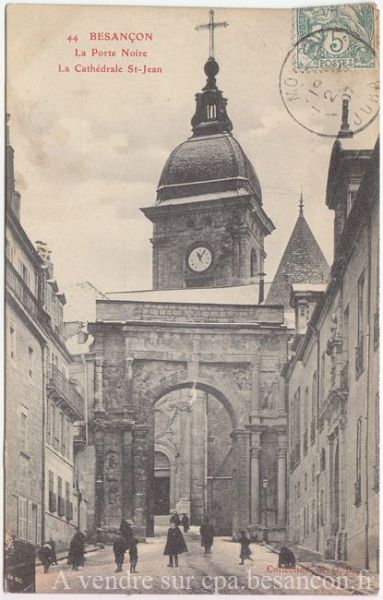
286,558
52,544
207,535
185,522
175,518
133,555
44,555
245,550
126,531
175,545
119,548
76,551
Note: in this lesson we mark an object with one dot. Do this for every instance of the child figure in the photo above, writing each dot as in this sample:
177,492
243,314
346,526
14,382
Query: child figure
119,548
245,550
133,555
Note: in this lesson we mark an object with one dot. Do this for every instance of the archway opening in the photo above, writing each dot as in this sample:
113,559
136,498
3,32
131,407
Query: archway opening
161,484
192,432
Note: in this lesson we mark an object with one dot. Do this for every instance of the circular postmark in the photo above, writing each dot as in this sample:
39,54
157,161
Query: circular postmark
323,68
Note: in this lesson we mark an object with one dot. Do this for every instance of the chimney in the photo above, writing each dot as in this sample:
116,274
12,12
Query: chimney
12,197
44,253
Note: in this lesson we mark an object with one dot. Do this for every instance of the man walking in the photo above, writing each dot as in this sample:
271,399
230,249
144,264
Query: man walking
175,545
207,535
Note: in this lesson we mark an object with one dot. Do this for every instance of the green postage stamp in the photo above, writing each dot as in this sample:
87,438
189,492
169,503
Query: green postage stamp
335,37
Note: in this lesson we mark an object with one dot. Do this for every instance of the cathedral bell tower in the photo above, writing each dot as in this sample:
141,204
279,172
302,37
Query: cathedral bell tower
208,222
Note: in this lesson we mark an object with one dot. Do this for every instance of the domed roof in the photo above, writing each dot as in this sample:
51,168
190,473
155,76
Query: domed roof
208,164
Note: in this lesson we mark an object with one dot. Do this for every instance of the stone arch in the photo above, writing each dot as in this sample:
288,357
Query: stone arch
195,487
159,391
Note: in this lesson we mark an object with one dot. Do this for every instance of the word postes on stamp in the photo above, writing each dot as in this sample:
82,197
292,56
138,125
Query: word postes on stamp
335,37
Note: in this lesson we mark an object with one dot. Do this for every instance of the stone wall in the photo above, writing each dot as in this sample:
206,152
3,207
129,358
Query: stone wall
231,231
190,313
24,385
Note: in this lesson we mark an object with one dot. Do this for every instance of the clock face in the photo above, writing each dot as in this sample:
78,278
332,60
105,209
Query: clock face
200,259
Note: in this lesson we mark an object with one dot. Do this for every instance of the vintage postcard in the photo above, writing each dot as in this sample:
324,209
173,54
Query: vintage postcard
192,300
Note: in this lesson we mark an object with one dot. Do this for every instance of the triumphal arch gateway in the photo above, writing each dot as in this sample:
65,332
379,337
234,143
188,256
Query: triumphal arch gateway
189,406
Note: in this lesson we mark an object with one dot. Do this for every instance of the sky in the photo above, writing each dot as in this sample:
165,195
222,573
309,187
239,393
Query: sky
90,147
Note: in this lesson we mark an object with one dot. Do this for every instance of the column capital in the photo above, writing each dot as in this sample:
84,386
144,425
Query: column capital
255,452
282,452
141,429
99,416
239,432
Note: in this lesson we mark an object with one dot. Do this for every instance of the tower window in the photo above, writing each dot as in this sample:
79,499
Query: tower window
211,111
352,192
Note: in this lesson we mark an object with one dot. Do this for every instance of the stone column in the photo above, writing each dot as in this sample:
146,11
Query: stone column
183,501
329,506
198,455
282,495
255,489
98,386
99,437
127,474
142,478
128,404
241,516
342,471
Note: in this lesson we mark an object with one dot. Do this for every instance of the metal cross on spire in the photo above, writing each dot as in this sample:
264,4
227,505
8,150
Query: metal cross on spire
301,204
211,26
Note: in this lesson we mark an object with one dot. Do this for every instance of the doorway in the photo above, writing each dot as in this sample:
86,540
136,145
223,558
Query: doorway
161,484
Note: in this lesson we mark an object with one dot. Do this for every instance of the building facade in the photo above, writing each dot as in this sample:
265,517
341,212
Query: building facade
333,377
42,403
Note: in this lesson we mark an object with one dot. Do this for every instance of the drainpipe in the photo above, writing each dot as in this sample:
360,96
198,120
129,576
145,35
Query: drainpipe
44,401
367,523
85,397
79,498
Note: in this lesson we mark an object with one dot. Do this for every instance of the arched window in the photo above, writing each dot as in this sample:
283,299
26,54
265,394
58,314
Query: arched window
253,264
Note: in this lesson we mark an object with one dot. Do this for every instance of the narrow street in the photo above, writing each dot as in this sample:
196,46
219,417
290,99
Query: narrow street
218,573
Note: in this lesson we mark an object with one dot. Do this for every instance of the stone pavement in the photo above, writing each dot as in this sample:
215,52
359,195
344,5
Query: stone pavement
219,572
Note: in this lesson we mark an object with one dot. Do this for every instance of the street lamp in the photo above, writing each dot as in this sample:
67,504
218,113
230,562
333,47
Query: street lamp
265,531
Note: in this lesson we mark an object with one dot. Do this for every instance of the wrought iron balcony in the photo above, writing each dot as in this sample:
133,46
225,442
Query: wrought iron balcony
65,392
359,360
24,294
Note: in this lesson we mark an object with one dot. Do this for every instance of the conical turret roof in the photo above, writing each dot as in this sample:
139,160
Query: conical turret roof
302,262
